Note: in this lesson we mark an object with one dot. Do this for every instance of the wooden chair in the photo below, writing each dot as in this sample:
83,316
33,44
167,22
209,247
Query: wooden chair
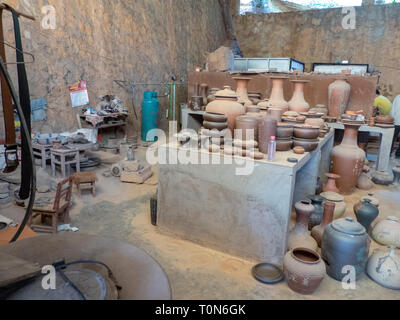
59,210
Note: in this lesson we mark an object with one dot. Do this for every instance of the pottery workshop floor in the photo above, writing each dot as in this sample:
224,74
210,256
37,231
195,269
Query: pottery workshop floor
122,211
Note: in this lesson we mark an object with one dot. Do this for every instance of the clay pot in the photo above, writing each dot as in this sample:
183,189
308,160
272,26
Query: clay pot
366,213
248,126
338,199
284,130
226,103
314,119
331,184
308,145
348,160
267,128
298,103
318,231
203,93
215,125
283,145
211,96
277,99
215,117
365,182
241,90
304,270
316,217
275,113
299,150
387,232
345,243
299,236
306,132
339,96
384,268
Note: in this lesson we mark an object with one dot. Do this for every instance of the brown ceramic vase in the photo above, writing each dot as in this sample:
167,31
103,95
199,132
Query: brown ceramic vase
339,96
277,99
331,184
242,92
318,231
298,102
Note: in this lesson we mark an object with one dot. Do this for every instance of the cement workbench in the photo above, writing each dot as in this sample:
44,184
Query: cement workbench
244,215
385,149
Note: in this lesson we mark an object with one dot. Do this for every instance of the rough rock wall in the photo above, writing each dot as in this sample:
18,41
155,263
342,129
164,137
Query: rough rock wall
318,36
101,40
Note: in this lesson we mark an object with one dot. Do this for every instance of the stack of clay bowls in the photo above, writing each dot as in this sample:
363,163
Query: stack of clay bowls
284,139
306,136
293,118
384,122
215,126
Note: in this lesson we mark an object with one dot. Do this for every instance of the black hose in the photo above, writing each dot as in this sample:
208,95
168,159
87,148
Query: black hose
27,137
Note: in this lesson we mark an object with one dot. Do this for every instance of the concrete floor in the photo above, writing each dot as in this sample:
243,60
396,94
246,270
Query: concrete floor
122,211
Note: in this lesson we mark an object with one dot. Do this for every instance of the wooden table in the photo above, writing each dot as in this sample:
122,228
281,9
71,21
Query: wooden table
60,157
43,152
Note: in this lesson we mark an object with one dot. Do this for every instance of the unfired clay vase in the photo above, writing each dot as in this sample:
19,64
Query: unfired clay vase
384,268
267,128
277,99
226,103
348,160
298,102
387,232
338,199
241,90
304,270
339,96
299,236
331,184
318,231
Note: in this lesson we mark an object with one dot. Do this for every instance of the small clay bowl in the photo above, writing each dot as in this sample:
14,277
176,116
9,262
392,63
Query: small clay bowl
306,132
283,145
215,125
308,145
215,117
299,150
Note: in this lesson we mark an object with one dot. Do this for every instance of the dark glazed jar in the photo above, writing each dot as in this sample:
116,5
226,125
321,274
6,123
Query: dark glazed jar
316,217
366,213
345,243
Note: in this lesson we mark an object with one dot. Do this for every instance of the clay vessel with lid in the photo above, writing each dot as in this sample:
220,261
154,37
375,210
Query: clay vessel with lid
304,270
318,231
226,103
267,128
298,102
384,268
316,217
345,243
331,184
339,96
387,232
338,199
299,236
242,91
348,160
277,99
366,213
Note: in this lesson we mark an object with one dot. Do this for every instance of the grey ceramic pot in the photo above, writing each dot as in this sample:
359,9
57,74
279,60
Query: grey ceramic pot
345,243
366,213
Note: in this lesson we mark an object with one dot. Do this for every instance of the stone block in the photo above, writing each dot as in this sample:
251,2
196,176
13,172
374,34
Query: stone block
139,177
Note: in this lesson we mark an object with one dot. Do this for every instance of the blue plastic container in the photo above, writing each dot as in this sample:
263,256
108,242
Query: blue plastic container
150,110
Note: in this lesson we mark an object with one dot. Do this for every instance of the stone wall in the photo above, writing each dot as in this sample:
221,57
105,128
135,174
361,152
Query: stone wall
101,40
318,36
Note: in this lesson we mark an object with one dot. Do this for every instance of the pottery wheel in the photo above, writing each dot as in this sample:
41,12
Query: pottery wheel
267,273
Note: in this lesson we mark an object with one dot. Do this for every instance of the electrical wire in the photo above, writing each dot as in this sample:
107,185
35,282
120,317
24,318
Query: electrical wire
73,286
25,133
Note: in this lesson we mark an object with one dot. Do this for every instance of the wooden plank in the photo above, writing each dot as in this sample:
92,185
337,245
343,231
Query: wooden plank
13,270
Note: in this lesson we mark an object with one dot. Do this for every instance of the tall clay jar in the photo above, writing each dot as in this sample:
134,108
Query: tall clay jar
345,243
277,99
304,270
348,160
266,129
339,96
242,91
318,231
226,102
299,236
298,102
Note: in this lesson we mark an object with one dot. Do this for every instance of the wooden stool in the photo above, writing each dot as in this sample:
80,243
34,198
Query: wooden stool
43,152
59,156
85,181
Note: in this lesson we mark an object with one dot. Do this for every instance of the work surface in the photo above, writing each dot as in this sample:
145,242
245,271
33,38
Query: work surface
232,200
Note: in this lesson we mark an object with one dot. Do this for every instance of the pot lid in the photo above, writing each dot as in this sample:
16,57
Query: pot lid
332,196
226,93
285,125
267,273
349,226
